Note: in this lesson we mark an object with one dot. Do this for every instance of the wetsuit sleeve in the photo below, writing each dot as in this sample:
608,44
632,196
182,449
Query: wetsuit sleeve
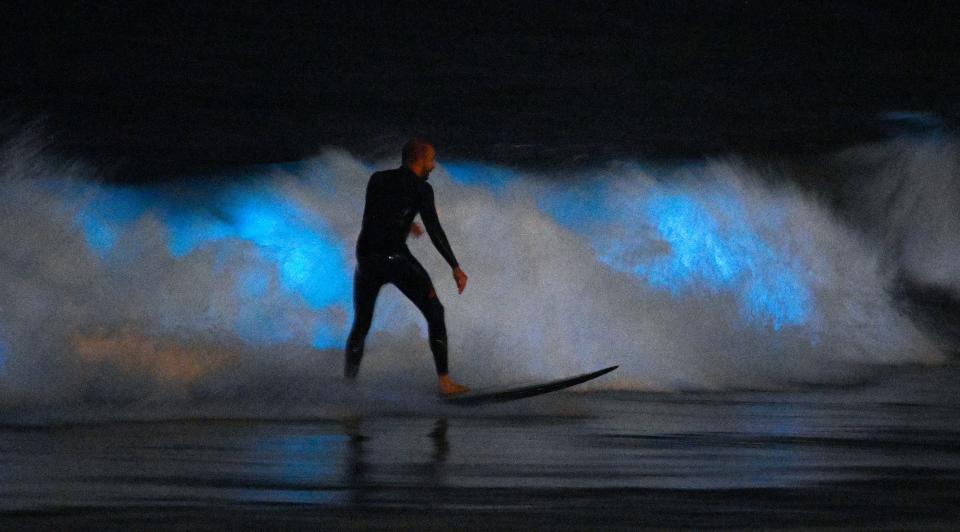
428,213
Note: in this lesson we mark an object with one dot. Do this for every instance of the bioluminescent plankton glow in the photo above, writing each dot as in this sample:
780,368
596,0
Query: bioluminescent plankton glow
699,276
685,242
310,260
703,252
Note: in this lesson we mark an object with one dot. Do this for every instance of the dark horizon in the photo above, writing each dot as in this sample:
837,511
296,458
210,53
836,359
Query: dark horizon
156,91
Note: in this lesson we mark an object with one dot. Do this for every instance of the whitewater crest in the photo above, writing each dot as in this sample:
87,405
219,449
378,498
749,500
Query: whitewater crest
700,276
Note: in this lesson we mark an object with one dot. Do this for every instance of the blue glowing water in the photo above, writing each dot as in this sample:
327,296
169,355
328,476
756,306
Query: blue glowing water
309,259
308,460
496,179
683,241
679,240
729,255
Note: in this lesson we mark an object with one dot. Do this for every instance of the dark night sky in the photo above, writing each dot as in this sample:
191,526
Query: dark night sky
165,90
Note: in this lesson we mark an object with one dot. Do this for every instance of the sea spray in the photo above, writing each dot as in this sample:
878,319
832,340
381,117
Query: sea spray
701,276
905,193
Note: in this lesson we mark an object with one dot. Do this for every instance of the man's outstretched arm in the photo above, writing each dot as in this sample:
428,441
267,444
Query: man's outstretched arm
429,216
430,219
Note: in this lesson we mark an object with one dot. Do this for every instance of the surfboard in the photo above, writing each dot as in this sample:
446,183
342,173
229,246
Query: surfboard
481,397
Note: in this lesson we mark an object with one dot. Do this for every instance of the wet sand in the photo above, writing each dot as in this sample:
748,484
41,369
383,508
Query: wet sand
880,456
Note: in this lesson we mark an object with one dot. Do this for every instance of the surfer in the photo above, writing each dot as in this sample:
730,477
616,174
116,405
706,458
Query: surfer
393,199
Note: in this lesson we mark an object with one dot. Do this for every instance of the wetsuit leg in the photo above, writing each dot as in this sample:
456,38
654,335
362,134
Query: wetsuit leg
366,286
408,275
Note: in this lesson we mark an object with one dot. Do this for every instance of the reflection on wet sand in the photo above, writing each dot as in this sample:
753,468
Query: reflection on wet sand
357,471
355,468
682,461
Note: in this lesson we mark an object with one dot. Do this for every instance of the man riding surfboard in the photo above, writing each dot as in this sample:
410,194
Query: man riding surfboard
393,199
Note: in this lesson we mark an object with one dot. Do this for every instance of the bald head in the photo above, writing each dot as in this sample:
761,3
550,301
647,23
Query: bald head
419,156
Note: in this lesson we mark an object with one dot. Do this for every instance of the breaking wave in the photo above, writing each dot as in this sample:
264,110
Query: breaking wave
707,275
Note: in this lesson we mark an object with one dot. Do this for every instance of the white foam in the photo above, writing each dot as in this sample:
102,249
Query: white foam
542,301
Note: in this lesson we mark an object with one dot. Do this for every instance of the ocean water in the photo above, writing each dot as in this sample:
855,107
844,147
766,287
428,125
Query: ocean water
882,455
170,352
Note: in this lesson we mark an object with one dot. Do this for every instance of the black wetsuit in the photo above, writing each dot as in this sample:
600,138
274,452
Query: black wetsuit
394,197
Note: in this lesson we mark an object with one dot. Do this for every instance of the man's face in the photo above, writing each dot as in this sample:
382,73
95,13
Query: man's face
429,162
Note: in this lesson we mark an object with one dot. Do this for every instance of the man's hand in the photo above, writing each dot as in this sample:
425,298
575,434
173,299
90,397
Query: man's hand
416,230
460,278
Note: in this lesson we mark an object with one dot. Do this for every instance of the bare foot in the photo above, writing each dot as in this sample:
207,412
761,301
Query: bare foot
448,387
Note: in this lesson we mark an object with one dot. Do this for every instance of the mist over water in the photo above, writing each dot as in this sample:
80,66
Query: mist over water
906,194
700,276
